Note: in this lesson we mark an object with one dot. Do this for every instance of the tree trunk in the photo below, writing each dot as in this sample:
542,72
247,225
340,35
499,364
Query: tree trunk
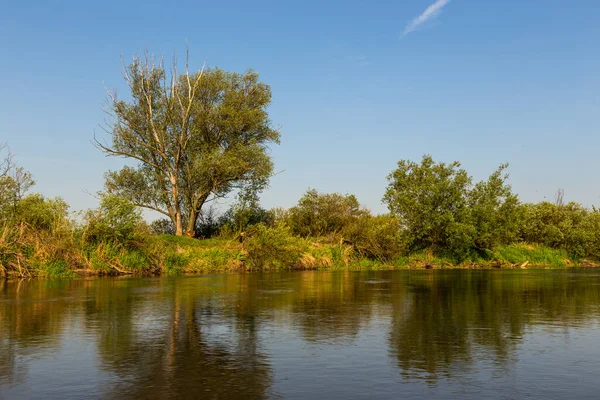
191,223
194,214
178,224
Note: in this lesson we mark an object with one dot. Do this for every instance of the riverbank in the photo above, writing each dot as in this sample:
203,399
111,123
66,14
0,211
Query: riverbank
170,255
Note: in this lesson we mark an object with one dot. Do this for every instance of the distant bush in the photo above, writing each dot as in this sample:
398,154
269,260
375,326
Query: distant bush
442,211
319,214
569,227
376,237
41,213
243,214
162,226
272,248
116,221
208,224
494,212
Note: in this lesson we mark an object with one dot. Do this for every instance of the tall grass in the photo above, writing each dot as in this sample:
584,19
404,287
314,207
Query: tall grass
520,253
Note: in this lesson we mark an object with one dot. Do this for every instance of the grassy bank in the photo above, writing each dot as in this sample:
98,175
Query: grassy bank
267,250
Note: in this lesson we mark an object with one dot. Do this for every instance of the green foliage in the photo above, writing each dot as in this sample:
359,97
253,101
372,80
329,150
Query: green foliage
518,253
495,211
116,221
162,226
56,269
569,227
441,210
375,237
429,198
13,186
319,214
134,261
244,213
14,183
175,263
272,248
438,219
41,213
196,136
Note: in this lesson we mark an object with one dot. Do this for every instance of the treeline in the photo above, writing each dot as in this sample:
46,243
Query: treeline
196,137
438,217
435,208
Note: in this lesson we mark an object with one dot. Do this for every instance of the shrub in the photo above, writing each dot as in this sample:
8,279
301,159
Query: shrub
569,227
323,214
162,226
116,221
495,212
244,213
376,237
443,212
41,213
428,198
272,248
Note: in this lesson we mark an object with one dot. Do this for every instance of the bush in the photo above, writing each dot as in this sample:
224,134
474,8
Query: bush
376,237
569,227
162,226
495,212
41,213
443,212
272,248
323,214
116,221
429,198
244,213
208,225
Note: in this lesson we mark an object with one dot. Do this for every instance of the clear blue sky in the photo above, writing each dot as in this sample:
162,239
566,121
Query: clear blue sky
482,82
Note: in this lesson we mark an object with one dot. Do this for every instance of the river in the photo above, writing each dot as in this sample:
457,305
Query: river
526,334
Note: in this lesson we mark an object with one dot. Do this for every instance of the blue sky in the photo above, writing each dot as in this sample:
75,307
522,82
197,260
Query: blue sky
357,86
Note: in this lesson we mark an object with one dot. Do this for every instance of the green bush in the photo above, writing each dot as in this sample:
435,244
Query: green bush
272,248
115,221
56,269
162,226
569,227
41,213
442,211
375,237
319,214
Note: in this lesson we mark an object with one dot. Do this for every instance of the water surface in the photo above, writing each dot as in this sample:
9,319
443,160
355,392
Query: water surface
374,334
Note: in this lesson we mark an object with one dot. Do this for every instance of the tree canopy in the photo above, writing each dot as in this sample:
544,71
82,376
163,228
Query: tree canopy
440,208
195,136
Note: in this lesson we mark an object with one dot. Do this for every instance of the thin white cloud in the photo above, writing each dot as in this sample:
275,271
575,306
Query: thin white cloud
430,13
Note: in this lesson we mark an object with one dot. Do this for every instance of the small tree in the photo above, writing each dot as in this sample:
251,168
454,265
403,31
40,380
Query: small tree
245,212
116,221
430,200
196,136
14,183
495,211
441,210
318,214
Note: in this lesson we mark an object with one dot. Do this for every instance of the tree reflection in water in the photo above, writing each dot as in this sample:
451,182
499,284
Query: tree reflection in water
190,336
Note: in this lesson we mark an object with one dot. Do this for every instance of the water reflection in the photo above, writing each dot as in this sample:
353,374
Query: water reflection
253,335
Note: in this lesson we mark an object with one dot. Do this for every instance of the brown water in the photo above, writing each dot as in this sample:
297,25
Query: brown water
389,334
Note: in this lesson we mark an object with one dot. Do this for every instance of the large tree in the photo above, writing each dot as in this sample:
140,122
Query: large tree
196,136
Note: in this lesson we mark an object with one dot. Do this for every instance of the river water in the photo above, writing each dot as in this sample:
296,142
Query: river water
525,334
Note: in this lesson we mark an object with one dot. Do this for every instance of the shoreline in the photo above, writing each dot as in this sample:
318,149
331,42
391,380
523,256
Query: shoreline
490,266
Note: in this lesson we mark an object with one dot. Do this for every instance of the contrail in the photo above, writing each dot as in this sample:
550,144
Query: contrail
431,12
